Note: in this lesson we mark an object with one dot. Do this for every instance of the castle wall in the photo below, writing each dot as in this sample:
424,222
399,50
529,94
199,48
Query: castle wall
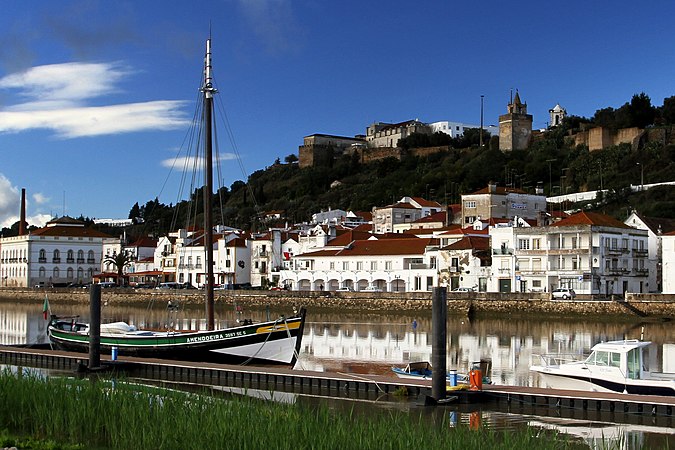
515,131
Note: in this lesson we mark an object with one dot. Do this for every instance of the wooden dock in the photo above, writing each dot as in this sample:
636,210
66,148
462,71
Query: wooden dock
356,386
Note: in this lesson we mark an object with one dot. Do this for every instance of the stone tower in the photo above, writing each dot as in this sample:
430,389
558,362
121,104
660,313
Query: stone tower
515,127
557,113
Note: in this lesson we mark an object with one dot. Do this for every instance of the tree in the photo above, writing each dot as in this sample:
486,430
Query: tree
135,212
291,158
668,110
642,112
120,261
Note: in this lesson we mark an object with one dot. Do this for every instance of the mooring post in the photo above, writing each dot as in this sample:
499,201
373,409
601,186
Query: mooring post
95,326
439,319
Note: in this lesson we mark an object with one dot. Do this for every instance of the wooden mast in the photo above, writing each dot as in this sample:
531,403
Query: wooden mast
208,91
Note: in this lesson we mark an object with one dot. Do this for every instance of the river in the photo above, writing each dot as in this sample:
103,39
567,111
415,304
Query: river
371,343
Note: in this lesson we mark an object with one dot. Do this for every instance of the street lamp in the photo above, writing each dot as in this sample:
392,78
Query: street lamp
550,183
481,121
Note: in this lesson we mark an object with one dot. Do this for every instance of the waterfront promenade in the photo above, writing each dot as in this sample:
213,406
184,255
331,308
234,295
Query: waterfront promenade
633,306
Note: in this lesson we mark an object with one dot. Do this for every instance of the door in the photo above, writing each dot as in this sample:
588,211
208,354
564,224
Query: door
504,285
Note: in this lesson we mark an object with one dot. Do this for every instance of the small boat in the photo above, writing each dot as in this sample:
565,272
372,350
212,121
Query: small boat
271,342
614,366
422,370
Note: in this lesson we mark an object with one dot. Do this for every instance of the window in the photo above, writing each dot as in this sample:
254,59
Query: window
57,273
373,265
345,265
468,204
387,265
332,265
359,265
523,244
536,244
56,256
574,242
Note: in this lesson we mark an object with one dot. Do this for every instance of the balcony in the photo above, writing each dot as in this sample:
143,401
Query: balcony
56,260
502,251
91,261
640,252
42,260
70,260
616,250
80,260
642,272
617,271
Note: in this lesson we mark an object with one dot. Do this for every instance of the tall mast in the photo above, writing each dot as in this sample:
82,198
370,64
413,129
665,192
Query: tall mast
208,91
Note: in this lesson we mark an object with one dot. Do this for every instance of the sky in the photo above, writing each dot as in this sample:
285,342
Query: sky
97,97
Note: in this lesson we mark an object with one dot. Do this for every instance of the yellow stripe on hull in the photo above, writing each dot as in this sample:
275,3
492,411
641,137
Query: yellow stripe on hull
279,327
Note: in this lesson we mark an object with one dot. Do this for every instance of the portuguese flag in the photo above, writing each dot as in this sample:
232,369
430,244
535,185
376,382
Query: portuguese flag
45,308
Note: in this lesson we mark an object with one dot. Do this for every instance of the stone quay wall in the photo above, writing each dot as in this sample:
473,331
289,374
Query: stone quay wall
463,303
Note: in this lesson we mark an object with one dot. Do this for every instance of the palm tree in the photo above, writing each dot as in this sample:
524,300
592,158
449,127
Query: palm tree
120,261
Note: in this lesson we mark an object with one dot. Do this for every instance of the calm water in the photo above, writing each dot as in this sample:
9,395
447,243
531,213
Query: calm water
371,343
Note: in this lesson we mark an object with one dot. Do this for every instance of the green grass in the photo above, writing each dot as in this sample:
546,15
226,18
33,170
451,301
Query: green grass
102,414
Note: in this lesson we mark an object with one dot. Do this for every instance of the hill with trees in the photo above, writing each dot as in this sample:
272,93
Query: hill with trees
552,162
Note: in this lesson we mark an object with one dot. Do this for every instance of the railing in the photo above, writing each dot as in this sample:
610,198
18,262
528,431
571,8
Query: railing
640,252
91,261
42,260
80,260
502,251
642,271
56,260
70,260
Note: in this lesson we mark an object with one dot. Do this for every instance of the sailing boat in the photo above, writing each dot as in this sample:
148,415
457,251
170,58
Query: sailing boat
271,342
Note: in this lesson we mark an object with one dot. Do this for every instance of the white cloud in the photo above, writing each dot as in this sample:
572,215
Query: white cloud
58,97
188,162
40,198
67,83
9,202
10,205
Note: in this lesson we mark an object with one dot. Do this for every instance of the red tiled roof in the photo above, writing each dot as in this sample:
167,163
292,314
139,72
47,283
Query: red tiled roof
69,231
435,217
145,241
470,243
345,238
414,246
365,215
368,227
423,202
590,218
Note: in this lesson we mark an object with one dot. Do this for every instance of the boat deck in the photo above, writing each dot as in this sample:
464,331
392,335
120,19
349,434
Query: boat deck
358,386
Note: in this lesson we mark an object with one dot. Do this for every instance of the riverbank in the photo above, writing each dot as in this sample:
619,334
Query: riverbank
635,306
100,413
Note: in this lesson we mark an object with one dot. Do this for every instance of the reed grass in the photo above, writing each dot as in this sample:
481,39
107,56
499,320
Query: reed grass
107,415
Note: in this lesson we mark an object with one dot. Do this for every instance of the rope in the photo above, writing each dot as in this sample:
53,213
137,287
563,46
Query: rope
363,378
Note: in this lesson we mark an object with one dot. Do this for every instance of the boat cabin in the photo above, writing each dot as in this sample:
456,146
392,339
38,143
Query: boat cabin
626,356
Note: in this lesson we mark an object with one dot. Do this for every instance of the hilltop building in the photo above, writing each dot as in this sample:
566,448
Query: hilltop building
557,113
456,129
515,127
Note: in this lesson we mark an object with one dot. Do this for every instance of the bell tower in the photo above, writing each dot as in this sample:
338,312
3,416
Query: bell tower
515,127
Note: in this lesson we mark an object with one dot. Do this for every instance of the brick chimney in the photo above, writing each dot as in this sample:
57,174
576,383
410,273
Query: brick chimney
22,218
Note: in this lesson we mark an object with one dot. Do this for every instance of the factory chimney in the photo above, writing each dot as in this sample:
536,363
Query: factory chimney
22,219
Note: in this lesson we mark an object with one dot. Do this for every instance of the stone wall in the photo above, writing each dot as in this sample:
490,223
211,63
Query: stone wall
636,306
598,138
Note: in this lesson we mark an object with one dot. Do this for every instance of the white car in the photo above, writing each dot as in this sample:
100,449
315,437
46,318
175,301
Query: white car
563,293
462,289
344,289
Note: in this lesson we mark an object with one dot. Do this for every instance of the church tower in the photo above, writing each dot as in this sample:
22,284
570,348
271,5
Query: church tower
515,127
557,114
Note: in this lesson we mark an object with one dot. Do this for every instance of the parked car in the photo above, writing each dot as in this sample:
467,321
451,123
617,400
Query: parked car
371,289
168,285
107,284
563,293
462,289
344,289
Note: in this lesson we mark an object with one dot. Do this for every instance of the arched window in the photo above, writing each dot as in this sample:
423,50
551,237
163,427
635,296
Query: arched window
80,274
71,256
57,273
57,256
80,256
90,273
42,273
70,273
43,255
90,257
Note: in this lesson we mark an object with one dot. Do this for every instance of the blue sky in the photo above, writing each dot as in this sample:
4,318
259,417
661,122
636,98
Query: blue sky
96,96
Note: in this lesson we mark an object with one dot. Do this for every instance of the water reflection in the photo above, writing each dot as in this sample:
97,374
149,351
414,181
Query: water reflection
374,342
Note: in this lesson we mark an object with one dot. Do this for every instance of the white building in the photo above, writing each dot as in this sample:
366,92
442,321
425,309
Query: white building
668,262
456,129
502,202
396,265
63,252
655,227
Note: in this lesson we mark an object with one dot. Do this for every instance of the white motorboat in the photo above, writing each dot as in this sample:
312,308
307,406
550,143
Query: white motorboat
614,366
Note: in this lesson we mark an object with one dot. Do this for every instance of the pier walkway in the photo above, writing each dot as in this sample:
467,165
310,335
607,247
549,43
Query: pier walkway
357,386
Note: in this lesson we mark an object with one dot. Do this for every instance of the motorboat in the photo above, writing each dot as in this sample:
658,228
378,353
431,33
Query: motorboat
613,366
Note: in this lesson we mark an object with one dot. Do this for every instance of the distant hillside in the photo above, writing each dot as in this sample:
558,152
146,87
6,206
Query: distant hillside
351,185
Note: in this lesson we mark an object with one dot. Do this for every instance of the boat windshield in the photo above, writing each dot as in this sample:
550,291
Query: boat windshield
604,358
